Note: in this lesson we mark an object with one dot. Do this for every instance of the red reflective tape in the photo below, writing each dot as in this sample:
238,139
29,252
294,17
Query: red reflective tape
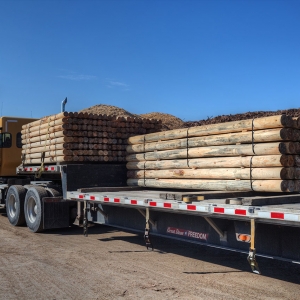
152,203
167,205
106,199
25,169
52,168
92,198
30,169
116,200
219,210
46,169
191,207
276,215
80,196
133,201
242,212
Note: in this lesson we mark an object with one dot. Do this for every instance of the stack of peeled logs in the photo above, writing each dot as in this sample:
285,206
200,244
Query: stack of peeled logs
81,137
259,155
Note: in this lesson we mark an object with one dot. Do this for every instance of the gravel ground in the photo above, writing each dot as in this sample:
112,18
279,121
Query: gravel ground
113,264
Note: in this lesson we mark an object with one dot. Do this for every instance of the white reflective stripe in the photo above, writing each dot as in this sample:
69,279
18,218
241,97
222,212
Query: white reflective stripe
286,216
291,217
230,211
264,214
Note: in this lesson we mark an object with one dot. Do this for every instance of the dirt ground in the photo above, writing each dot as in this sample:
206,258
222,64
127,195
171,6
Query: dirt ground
113,264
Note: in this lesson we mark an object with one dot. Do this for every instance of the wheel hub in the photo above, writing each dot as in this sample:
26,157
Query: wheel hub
32,210
12,206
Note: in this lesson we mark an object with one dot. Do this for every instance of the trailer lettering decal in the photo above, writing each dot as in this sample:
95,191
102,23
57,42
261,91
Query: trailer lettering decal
188,233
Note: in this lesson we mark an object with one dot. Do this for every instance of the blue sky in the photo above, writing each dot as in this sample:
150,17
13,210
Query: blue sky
193,59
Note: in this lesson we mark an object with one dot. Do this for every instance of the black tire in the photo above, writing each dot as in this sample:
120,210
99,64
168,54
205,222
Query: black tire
14,204
33,208
53,192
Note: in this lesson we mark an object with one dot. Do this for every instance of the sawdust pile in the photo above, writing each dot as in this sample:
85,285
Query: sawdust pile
109,110
172,122
168,121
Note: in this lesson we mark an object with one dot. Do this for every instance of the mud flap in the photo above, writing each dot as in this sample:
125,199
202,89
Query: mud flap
55,213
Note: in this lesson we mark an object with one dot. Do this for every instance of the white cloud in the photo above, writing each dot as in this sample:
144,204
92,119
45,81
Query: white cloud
76,76
117,84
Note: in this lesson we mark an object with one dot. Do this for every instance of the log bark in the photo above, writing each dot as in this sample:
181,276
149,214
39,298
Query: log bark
297,160
218,173
217,151
260,136
217,162
217,185
228,127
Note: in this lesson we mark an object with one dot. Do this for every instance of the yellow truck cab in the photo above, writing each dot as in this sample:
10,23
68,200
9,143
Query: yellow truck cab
11,144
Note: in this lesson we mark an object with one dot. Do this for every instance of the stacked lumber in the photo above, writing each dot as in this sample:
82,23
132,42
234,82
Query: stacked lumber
257,154
81,137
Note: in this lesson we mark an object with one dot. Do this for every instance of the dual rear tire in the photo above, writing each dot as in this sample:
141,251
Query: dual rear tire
33,208
15,200
26,206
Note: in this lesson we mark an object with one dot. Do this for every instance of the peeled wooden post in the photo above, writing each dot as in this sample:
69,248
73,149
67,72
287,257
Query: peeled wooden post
217,185
235,126
54,141
46,125
44,131
46,120
260,136
217,151
217,162
217,173
55,159
62,152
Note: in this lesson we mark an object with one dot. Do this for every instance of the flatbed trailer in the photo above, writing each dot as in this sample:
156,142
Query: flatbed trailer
259,224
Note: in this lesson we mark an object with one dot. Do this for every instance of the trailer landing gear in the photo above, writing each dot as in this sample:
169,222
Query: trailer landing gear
147,231
252,251
85,219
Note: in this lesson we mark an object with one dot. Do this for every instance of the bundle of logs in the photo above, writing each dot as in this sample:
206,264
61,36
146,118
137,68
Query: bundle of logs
81,137
259,155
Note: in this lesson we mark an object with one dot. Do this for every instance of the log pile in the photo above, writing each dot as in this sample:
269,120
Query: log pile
257,154
81,137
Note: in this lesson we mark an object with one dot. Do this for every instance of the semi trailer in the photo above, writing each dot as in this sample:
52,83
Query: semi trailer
57,195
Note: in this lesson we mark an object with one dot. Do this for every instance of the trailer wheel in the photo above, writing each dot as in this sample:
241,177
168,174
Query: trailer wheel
53,192
15,205
34,208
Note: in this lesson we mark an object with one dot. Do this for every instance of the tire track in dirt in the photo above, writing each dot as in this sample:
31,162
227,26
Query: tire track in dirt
112,264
